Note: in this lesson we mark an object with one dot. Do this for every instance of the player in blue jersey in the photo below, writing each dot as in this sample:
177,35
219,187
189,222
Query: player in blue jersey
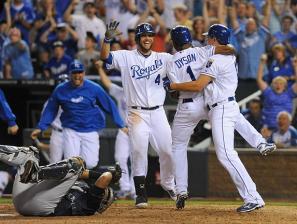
83,103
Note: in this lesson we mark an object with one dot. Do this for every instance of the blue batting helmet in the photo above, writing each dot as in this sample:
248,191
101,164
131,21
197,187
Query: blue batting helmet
220,32
142,29
180,35
76,66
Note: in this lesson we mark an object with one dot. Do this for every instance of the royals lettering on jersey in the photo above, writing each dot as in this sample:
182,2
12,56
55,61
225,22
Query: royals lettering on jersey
180,62
139,73
141,76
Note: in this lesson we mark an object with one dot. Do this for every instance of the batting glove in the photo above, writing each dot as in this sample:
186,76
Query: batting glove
166,84
111,31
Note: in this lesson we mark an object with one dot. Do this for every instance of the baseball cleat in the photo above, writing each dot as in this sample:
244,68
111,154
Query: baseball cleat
248,207
181,199
266,148
141,202
30,172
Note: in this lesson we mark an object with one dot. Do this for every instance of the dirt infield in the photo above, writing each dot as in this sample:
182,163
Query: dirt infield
163,212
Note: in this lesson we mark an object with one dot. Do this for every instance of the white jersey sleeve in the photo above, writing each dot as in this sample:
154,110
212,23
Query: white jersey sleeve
205,52
211,68
118,59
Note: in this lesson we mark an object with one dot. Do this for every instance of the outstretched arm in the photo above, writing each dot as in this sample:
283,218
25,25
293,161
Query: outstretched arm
261,83
111,33
194,86
103,76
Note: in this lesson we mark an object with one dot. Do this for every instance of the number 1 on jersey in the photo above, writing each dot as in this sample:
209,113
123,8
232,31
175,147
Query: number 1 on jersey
158,79
190,72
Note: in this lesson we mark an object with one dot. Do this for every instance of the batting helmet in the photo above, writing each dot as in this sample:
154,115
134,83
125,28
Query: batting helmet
142,29
180,35
220,32
63,78
76,66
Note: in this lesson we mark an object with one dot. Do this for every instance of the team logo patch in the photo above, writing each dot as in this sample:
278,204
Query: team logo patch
209,63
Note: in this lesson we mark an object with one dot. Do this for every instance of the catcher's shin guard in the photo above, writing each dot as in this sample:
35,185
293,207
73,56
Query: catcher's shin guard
115,170
14,155
55,171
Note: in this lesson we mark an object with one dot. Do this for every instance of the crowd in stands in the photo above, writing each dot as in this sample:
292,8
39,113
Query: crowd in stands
40,38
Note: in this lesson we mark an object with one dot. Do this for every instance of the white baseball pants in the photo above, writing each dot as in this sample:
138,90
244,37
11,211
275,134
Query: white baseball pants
223,119
151,126
56,146
81,144
121,155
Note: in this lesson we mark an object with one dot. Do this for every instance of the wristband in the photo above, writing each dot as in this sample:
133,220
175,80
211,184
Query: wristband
106,40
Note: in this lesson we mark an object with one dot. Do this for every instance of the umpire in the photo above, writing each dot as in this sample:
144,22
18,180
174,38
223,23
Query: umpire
83,103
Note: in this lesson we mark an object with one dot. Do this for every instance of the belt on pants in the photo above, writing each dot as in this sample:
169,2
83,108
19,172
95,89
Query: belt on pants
57,129
187,100
145,108
232,98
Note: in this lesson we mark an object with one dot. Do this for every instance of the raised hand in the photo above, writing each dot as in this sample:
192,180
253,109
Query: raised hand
112,31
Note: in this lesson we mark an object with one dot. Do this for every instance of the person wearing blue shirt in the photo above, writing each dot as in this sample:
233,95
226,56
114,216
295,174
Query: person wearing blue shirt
83,103
285,136
16,57
22,17
251,42
59,63
285,33
277,97
281,65
7,115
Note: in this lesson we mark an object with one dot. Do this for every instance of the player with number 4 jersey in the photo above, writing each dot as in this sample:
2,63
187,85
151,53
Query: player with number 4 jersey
142,71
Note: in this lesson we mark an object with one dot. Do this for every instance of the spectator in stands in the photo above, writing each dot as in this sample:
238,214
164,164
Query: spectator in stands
199,27
254,114
251,42
86,22
89,55
16,57
285,136
4,28
62,32
46,17
130,43
22,17
182,15
291,44
285,33
281,66
59,63
277,97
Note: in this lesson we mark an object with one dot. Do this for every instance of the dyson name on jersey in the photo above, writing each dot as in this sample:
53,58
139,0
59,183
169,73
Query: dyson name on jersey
140,73
185,60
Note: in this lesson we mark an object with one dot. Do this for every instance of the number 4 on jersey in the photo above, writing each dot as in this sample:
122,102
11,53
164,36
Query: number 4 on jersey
158,79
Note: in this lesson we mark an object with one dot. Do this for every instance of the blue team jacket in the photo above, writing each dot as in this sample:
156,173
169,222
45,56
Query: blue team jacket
5,111
82,107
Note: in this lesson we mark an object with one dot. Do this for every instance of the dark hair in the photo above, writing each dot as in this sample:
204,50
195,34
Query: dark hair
91,36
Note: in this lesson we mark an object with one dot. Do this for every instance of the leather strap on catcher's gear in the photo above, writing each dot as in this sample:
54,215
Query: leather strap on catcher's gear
14,155
56,171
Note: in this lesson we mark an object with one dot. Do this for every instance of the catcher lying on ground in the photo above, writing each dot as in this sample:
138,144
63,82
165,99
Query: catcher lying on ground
60,188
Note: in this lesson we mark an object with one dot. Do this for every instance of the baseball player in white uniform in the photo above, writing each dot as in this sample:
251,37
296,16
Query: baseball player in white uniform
218,81
142,73
122,142
186,66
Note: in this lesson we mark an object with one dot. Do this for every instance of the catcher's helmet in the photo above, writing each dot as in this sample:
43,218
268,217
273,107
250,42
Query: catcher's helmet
142,29
76,66
63,78
220,32
180,35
